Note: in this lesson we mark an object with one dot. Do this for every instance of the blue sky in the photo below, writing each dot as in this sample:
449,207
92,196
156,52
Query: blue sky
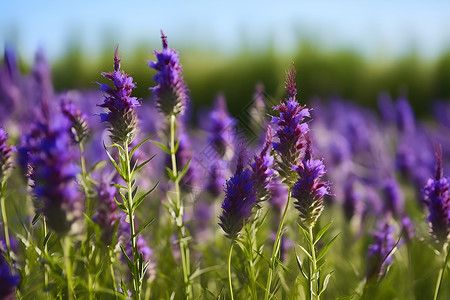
384,27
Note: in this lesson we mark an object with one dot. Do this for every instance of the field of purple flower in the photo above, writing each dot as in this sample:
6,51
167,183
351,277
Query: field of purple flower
108,196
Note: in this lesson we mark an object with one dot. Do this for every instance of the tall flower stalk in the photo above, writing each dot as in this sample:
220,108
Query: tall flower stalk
171,98
122,124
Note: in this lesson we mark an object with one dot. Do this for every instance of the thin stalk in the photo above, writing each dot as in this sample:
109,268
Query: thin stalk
313,276
136,283
184,248
44,226
68,265
251,232
276,246
5,221
229,270
441,271
111,270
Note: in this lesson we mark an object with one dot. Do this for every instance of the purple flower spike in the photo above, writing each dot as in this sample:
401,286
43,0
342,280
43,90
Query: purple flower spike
79,129
393,197
379,253
239,200
262,169
53,174
436,195
6,151
309,190
106,216
8,282
291,129
122,116
171,91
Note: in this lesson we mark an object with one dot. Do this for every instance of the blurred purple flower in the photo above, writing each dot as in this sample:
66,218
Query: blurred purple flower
352,198
278,195
47,150
407,228
262,169
379,253
239,200
309,190
79,128
437,198
405,116
122,116
8,281
171,91
106,217
393,198
216,178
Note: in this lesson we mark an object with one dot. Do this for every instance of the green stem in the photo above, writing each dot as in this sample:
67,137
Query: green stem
184,247
313,280
111,270
44,225
136,281
442,270
68,265
229,270
276,246
5,220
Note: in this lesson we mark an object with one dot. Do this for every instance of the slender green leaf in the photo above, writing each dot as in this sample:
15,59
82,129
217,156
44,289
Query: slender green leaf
322,231
120,205
300,265
119,186
184,171
162,146
139,145
129,262
305,233
133,193
170,174
99,164
47,238
325,283
143,227
177,145
36,218
115,145
138,168
141,198
305,251
327,247
115,164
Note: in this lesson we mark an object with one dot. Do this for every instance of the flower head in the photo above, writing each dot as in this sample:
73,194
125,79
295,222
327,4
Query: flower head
262,169
79,129
291,129
309,190
437,198
393,197
53,172
6,151
122,116
239,200
379,253
171,91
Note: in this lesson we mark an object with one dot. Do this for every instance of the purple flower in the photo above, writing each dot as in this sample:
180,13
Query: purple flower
407,228
262,169
122,116
393,198
53,172
221,130
79,129
239,200
106,217
378,253
8,281
216,176
436,196
171,92
291,128
405,116
6,162
309,190
352,198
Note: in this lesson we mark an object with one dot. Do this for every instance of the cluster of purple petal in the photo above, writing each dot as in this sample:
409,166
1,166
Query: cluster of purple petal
171,91
53,172
122,116
262,169
79,129
437,198
106,216
240,198
378,253
309,190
